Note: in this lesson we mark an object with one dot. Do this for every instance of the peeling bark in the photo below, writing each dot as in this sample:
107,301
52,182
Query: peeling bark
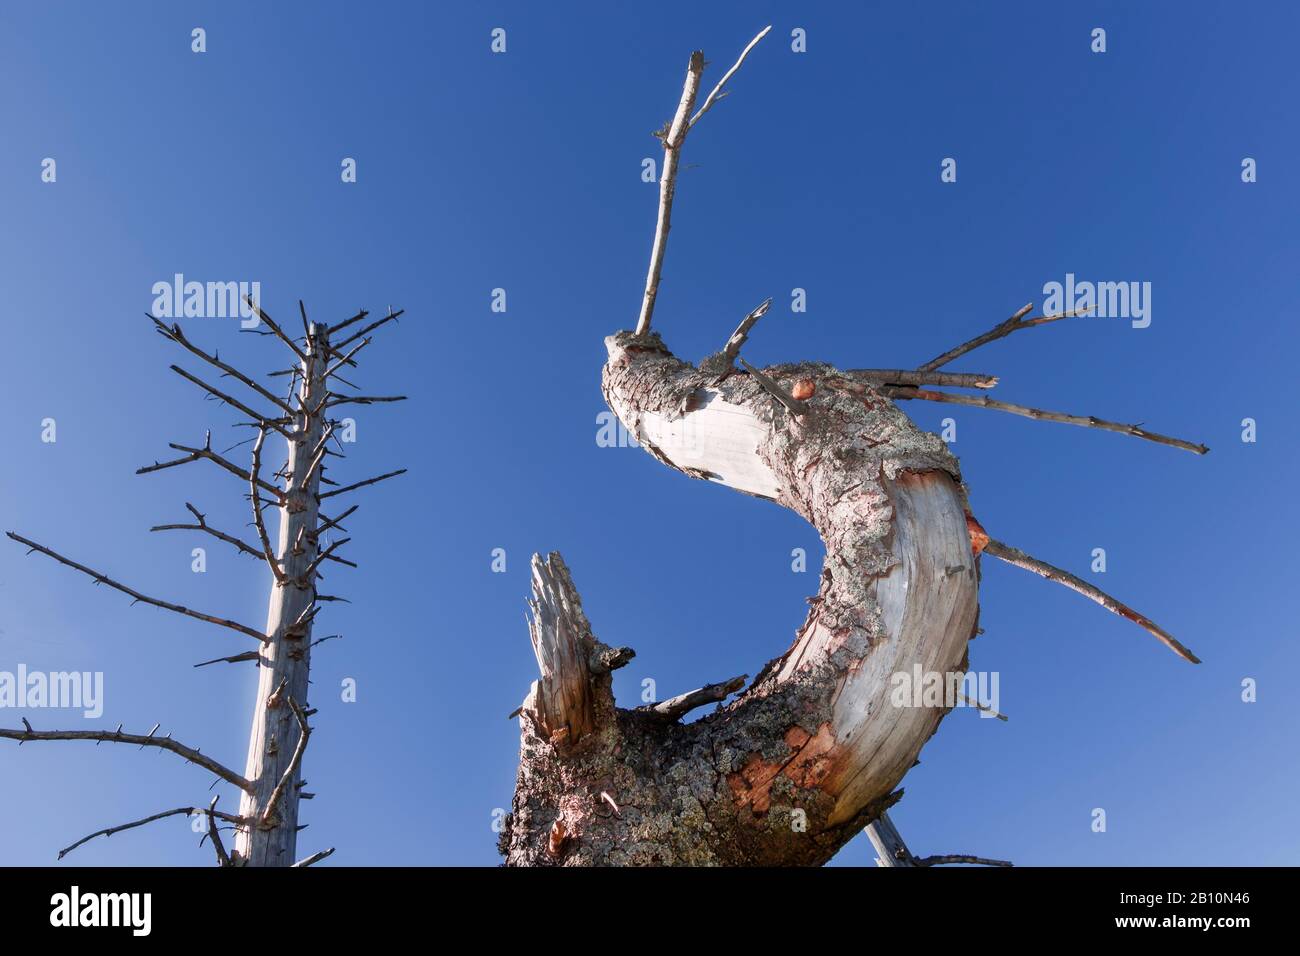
814,749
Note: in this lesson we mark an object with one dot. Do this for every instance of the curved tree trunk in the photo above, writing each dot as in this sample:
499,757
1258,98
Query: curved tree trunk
813,750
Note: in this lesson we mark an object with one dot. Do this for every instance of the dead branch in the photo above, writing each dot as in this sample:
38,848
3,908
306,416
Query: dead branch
188,811
741,335
258,521
144,740
1001,330
362,484
1038,414
718,93
674,707
205,527
363,400
1022,560
279,332
223,858
314,858
144,599
346,322
256,416
206,452
390,317
903,376
960,858
173,333
233,659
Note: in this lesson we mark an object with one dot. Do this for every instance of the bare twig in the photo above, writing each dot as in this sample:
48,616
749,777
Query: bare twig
903,376
741,335
205,527
314,858
233,658
188,811
675,707
223,858
1001,330
717,93
1038,414
229,400
362,484
960,858
173,332
390,317
258,521
144,740
971,702
279,332
346,322
1022,560
206,452
363,399
104,579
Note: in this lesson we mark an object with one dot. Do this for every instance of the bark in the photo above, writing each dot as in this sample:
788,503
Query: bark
814,749
275,741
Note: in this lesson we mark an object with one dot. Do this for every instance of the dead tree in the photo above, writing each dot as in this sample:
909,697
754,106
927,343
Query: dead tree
813,750
271,786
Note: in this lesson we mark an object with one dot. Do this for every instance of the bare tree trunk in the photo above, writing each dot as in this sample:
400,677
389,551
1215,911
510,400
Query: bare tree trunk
813,750
276,740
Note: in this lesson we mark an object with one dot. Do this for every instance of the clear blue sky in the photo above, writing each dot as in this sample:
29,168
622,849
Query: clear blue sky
523,171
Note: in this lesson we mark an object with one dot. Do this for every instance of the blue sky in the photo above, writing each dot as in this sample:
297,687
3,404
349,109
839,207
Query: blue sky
522,171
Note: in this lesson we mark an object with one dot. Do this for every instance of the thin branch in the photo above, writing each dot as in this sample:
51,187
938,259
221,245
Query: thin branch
327,523
362,484
346,359
971,702
188,811
234,402
104,579
903,376
960,858
717,93
206,452
173,332
1022,560
144,740
279,332
1001,330
346,322
675,707
1038,414
673,140
204,526
328,552
314,858
362,400
792,404
268,815
233,658
390,317
223,858
258,521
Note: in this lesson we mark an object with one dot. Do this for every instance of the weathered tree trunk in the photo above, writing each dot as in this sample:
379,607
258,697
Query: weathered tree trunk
276,741
813,750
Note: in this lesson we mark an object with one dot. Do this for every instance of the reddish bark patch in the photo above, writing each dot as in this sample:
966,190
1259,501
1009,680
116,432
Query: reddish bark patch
810,763
979,538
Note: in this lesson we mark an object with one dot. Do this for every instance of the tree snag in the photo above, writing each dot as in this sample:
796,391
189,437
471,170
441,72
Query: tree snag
266,827
814,748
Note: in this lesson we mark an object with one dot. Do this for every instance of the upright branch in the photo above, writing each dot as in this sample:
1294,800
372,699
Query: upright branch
256,499
673,138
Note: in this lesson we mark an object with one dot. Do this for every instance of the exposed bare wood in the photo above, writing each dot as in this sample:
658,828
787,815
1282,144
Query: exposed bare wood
903,376
315,858
718,92
1039,414
1022,560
